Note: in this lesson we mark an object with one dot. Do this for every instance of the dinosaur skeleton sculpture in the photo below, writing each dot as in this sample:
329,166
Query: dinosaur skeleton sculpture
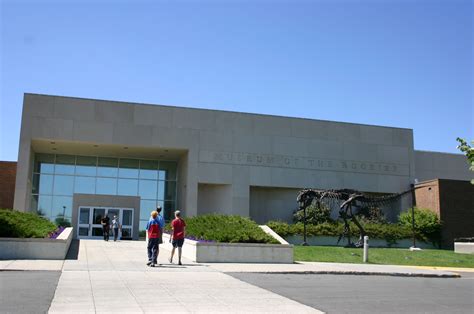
349,199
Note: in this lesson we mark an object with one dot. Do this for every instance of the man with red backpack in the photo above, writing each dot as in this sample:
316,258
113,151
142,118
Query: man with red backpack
154,237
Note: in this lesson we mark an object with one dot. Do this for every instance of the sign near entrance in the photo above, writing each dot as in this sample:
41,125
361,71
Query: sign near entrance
282,161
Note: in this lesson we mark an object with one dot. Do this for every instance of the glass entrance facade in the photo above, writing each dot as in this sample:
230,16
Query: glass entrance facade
57,177
89,222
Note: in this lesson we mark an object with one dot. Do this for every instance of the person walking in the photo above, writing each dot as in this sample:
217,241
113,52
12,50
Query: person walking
161,221
177,236
153,230
116,226
105,222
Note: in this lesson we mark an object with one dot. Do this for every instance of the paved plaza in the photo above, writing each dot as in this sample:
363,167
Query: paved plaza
113,277
101,277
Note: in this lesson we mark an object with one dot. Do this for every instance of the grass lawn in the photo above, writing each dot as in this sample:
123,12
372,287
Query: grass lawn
440,258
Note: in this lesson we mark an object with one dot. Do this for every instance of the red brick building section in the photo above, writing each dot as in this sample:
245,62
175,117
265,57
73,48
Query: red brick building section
7,183
453,201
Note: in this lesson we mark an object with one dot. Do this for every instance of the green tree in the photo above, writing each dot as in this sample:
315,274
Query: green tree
468,151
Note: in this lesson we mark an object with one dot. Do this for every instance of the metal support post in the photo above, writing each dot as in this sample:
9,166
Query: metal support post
366,249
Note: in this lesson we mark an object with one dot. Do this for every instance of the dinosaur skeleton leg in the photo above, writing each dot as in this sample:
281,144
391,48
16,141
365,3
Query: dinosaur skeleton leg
361,231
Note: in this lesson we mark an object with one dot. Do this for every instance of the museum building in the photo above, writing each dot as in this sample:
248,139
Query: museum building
80,159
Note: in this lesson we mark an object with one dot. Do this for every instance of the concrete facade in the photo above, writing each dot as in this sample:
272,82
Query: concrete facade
117,201
229,162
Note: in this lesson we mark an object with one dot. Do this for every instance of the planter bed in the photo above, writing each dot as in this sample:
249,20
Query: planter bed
36,248
213,252
332,241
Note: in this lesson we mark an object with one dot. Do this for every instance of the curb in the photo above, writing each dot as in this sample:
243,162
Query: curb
361,273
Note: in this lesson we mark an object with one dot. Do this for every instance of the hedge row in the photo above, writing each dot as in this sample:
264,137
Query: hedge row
389,232
222,228
16,224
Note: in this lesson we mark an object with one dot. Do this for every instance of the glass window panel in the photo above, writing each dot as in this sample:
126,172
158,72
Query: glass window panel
45,205
84,216
84,185
62,207
86,171
63,185
34,204
106,186
147,189
63,221
44,163
127,217
86,165
65,164
142,225
113,212
66,159
42,205
149,169
98,214
161,175
126,233
146,207
43,184
107,167
169,167
170,190
64,169
128,168
84,231
127,187
97,232
169,210
160,203
161,190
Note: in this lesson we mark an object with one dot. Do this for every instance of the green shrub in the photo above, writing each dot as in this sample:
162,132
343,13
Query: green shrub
389,232
222,228
15,224
315,214
427,224
371,215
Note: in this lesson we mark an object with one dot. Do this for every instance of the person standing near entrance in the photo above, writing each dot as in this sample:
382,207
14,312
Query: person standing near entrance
116,226
105,222
161,221
179,230
153,230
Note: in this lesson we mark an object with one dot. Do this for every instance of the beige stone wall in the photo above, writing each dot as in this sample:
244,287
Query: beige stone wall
222,148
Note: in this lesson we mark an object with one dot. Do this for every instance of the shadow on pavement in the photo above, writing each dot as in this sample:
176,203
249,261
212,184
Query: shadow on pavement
73,252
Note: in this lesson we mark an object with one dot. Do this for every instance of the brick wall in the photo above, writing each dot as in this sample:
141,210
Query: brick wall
7,183
453,201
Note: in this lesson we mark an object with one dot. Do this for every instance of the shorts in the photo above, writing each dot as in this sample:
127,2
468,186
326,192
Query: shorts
178,242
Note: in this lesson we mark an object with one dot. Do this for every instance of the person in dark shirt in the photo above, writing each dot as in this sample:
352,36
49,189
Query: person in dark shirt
105,222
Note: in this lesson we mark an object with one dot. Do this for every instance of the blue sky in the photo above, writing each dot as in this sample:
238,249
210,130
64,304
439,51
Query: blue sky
395,63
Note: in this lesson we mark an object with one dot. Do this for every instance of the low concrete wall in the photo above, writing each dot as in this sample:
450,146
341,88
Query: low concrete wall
35,248
464,247
332,241
210,252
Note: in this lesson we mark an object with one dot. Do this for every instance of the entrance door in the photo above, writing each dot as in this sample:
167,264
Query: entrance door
89,226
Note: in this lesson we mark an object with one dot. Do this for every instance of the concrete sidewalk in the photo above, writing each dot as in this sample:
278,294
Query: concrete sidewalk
113,277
